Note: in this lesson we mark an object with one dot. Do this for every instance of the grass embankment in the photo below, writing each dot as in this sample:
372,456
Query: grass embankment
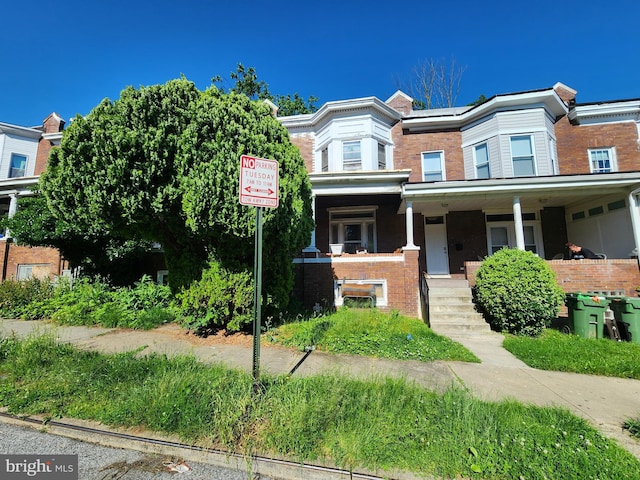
570,353
386,424
370,332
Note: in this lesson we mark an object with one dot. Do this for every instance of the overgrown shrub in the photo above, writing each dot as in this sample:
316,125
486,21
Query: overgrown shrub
517,292
16,297
87,301
221,299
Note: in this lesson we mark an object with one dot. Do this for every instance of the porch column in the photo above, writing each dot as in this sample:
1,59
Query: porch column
312,244
635,219
13,208
517,223
409,225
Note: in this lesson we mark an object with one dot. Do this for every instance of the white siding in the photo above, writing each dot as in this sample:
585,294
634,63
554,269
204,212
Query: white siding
364,128
497,130
23,146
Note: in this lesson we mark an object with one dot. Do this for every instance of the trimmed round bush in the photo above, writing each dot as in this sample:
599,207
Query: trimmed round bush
517,292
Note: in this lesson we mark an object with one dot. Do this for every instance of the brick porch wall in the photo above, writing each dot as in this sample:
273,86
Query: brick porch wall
17,255
586,275
315,279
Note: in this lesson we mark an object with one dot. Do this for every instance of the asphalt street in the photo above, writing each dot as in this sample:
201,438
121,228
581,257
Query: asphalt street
97,462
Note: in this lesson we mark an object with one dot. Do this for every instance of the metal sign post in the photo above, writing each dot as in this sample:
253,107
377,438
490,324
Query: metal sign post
259,179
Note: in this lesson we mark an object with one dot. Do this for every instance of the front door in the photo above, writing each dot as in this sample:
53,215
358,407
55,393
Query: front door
435,233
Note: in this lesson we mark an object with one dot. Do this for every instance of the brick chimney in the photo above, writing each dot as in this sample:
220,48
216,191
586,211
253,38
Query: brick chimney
52,127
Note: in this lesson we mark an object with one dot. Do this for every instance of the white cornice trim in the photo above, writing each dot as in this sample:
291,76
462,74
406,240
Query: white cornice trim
332,108
625,110
520,186
548,99
21,131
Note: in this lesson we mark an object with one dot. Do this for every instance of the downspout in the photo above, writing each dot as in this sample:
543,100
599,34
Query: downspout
635,219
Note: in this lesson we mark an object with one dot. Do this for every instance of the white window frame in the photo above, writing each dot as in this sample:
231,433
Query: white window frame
509,225
382,156
324,159
532,156
611,151
12,168
475,160
24,271
351,164
379,283
340,218
432,172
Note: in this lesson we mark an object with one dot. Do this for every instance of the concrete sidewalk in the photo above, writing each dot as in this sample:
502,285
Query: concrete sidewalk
604,401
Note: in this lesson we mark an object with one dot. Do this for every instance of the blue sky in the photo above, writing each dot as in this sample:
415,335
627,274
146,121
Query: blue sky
67,56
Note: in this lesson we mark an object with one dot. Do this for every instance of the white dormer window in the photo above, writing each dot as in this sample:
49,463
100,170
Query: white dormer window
522,156
351,156
602,160
18,165
481,153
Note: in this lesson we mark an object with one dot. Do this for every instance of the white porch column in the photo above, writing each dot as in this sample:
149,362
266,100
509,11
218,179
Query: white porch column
13,208
517,223
409,225
635,219
312,244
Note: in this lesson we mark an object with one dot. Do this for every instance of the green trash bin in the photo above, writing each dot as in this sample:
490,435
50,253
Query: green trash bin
627,313
586,314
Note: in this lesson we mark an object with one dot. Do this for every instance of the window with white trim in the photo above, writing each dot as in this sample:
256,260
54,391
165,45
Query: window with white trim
325,159
602,160
432,166
481,153
382,156
355,229
351,156
522,156
18,165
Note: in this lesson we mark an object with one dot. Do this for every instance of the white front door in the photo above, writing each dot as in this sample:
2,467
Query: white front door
435,233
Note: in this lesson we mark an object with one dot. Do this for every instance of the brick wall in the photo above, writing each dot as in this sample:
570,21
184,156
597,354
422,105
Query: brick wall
409,146
315,281
305,142
587,275
573,141
18,254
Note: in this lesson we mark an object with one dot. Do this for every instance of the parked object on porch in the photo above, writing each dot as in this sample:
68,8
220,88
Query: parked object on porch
627,315
336,248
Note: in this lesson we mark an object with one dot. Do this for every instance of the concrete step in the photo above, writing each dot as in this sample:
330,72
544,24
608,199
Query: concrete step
453,307
457,329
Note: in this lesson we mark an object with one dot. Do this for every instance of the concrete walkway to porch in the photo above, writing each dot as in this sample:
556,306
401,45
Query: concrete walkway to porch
605,402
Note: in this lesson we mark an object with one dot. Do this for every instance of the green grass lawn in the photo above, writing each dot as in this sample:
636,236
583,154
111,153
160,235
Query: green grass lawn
379,424
370,332
570,353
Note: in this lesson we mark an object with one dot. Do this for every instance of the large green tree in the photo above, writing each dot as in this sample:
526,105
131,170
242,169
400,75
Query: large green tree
121,260
161,163
246,82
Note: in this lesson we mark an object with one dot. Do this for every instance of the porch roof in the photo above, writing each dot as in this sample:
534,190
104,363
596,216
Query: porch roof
538,192
359,182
